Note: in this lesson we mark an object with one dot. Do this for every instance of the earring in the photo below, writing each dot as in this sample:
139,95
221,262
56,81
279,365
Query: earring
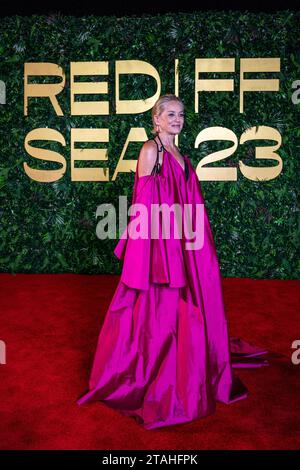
157,128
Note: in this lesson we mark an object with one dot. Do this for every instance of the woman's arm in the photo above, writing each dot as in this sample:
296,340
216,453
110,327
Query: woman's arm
147,158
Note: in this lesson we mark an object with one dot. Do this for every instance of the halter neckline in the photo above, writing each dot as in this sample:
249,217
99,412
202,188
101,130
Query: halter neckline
161,143
157,167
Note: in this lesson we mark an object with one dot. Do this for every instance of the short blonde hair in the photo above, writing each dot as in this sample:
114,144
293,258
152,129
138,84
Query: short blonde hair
160,105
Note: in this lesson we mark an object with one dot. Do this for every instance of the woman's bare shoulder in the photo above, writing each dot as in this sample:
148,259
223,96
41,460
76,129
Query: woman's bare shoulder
148,147
147,158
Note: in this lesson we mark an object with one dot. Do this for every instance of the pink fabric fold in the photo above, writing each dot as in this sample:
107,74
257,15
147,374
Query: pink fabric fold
164,355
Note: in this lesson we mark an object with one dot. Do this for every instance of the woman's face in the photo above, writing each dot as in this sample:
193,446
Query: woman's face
172,118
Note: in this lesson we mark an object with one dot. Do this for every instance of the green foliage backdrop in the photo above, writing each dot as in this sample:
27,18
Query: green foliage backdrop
51,227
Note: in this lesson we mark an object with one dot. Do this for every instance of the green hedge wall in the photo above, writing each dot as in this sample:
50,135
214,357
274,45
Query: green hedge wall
51,227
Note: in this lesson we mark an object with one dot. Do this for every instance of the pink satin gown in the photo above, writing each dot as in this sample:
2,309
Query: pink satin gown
164,355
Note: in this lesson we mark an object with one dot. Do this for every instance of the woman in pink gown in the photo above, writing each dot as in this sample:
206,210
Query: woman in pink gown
164,355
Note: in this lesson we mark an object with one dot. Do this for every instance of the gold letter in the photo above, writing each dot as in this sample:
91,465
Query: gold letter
136,134
209,66
254,84
45,176
43,89
135,106
80,108
89,135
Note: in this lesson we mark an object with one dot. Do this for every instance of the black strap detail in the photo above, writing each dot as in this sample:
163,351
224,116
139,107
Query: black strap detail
162,145
157,167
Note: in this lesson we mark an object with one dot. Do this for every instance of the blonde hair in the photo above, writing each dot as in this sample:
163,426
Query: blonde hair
160,106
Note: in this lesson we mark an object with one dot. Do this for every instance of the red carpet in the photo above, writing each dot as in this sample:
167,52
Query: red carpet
50,324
